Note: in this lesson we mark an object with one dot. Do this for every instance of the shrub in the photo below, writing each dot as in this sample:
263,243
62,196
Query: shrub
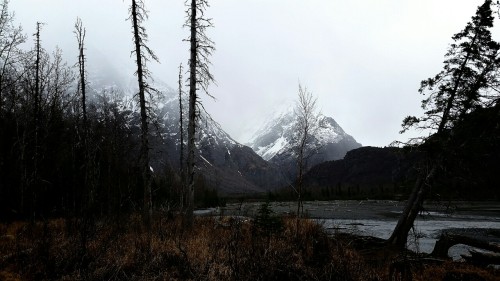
266,221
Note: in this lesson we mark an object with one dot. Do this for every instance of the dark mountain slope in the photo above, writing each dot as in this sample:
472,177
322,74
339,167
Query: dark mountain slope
274,141
364,171
469,172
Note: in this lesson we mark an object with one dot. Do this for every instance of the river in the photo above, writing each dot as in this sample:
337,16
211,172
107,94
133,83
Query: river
379,217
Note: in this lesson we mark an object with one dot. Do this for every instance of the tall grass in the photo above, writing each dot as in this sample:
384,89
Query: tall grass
214,249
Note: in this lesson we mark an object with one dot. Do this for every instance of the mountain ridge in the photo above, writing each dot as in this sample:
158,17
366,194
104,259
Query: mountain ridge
274,141
224,164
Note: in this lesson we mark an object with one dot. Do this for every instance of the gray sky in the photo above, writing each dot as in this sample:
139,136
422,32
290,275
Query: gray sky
363,59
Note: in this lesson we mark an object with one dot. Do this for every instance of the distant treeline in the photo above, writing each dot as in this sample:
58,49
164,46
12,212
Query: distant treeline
469,170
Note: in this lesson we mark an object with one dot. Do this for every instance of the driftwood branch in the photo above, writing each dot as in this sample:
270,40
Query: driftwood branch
486,239
482,258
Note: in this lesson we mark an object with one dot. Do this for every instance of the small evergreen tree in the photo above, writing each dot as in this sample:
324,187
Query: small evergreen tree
266,221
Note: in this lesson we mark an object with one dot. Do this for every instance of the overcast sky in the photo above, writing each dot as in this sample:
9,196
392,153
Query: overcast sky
363,59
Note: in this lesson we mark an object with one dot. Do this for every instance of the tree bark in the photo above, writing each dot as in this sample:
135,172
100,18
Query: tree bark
399,236
80,34
37,101
192,117
144,151
181,142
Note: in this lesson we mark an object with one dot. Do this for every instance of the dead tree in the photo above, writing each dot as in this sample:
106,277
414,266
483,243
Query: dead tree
80,33
472,237
36,114
88,191
201,47
143,54
306,125
181,136
463,85
80,37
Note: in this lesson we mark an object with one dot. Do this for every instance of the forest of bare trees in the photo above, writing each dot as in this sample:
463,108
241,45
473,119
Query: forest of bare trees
67,149
71,150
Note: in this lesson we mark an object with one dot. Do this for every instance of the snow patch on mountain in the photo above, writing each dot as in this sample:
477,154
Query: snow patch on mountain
268,152
275,138
222,162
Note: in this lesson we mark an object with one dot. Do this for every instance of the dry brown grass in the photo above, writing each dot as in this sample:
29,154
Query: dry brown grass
457,271
214,249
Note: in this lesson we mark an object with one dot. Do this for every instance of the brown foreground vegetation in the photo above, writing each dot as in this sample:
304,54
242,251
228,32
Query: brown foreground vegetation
215,249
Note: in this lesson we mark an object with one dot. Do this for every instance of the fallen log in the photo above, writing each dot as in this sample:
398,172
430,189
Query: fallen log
486,239
482,258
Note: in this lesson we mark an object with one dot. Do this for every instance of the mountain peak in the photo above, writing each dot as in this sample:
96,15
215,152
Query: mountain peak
273,141
221,162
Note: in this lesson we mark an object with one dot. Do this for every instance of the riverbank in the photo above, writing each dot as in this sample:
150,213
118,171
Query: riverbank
378,218
224,248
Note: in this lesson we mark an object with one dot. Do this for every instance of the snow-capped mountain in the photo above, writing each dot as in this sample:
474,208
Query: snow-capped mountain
224,163
274,141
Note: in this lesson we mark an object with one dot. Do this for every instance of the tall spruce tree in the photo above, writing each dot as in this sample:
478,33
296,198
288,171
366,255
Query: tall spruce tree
465,83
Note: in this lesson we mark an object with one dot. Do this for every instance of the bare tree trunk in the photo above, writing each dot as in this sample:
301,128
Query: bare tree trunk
300,175
37,101
299,189
307,120
144,151
477,238
192,117
80,35
87,190
201,47
181,144
399,236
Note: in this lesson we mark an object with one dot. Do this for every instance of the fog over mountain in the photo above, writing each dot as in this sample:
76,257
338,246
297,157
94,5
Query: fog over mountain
274,140
224,164
363,59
